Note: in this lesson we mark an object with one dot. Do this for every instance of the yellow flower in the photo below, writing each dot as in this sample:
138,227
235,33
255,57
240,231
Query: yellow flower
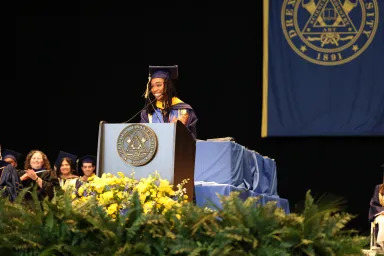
161,200
142,198
112,209
110,181
118,181
147,207
107,196
100,200
120,195
141,187
165,186
154,193
81,190
168,203
113,181
98,184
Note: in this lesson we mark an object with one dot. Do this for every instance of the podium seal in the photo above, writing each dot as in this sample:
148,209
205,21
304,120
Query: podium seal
137,144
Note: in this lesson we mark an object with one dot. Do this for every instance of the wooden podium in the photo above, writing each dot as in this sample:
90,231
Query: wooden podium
143,148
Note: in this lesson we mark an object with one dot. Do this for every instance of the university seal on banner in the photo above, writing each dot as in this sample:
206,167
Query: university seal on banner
329,32
137,144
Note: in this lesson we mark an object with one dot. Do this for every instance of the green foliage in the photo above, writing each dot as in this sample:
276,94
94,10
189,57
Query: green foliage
239,228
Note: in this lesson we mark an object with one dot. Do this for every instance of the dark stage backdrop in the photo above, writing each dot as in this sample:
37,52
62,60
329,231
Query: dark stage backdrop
73,72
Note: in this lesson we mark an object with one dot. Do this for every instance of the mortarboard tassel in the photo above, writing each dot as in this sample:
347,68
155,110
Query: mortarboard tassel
146,93
77,167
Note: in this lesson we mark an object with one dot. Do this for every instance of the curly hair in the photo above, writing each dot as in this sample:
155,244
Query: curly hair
46,164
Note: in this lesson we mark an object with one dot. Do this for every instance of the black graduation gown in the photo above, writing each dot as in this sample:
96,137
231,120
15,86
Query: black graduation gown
10,181
50,182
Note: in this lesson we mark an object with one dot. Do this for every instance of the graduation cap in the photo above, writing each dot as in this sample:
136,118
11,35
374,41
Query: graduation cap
63,154
88,159
165,72
11,154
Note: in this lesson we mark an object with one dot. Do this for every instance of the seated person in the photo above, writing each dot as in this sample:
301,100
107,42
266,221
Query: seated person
65,169
10,180
376,212
167,108
11,157
38,172
87,169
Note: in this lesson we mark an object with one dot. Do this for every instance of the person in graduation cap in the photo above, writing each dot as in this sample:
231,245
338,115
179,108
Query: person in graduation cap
376,212
11,157
87,169
65,169
10,182
38,174
168,108
9,176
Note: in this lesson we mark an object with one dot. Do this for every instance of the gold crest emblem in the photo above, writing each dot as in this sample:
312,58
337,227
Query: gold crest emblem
137,144
329,32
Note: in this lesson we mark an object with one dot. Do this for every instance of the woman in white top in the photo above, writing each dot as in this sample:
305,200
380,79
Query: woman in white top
65,169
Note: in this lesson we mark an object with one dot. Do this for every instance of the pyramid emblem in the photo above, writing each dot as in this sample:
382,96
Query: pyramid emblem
136,145
329,16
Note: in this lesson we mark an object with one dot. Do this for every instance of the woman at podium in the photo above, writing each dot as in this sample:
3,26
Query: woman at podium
163,105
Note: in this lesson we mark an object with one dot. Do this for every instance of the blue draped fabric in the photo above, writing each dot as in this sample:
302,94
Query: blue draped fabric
267,182
231,163
206,194
221,162
225,166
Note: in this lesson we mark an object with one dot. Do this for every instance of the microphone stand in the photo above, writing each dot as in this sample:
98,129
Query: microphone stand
150,103
156,112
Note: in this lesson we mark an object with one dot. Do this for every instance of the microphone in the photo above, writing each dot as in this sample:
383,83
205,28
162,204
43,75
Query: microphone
150,103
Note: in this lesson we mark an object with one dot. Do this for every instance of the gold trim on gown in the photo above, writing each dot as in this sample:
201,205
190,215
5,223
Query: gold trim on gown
65,182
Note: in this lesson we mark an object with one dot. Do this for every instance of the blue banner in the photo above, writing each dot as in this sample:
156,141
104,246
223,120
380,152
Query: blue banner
323,68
